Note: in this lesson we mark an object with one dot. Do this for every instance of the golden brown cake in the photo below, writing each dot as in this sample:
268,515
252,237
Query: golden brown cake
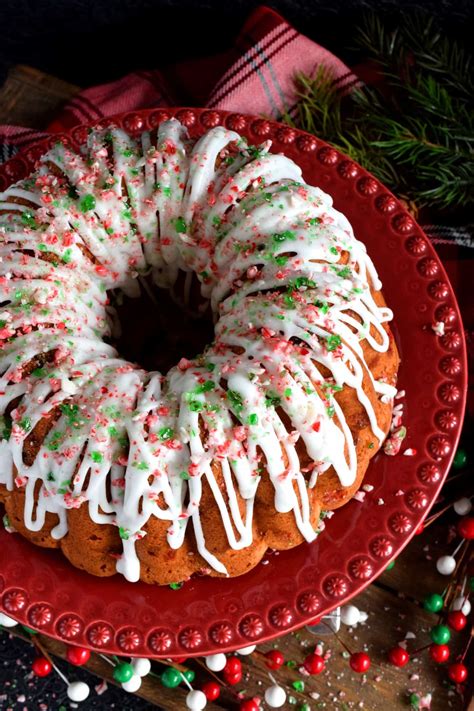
232,452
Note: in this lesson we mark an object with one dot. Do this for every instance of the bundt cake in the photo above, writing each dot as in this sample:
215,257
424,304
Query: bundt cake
232,452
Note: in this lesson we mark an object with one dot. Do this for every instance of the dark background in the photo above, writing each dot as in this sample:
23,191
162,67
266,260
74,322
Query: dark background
90,41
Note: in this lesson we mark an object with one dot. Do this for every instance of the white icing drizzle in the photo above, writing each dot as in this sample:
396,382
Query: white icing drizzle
129,444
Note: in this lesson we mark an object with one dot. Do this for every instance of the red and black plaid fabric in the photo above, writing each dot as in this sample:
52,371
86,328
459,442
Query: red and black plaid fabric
255,76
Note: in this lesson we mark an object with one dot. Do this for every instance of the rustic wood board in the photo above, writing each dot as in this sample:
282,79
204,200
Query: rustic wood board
32,98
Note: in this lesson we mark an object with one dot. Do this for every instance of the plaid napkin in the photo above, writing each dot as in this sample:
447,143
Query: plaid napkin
255,76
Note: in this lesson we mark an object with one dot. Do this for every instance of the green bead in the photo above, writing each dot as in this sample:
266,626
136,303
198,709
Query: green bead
189,675
433,603
123,672
29,630
171,678
304,707
390,565
460,459
414,700
298,685
440,634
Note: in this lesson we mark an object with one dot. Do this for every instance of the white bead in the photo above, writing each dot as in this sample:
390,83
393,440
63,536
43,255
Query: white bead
133,684
7,621
275,696
363,616
216,662
141,666
460,603
78,691
463,506
446,564
350,615
247,650
196,700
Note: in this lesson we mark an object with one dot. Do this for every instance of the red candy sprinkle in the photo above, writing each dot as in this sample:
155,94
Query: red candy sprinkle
249,705
360,662
233,666
439,653
41,666
466,528
457,672
275,659
78,655
314,664
457,620
212,690
398,656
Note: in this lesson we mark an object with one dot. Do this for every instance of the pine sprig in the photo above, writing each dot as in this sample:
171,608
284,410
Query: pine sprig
416,132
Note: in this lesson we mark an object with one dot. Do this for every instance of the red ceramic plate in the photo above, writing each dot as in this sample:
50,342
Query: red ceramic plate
42,590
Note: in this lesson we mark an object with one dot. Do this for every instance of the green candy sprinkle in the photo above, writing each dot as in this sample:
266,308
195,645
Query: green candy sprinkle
283,236
165,433
180,225
124,533
235,400
298,685
87,203
175,586
333,342
253,419
97,457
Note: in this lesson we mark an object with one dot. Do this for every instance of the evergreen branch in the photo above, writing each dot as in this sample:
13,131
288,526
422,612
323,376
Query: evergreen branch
416,134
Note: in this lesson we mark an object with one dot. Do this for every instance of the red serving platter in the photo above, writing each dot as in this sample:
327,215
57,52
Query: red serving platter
42,590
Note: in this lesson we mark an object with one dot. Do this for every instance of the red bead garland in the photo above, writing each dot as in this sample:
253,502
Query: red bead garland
78,655
457,620
249,705
41,666
275,659
439,653
466,528
457,672
212,690
360,662
314,664
398,656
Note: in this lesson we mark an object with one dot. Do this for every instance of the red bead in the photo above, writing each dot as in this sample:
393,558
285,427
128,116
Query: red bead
232,679
466,528
275,659
179,660
314,664
360,662
457,672
439,653
420,529
249,705
457,620
398,656
233,666
212,690
78,655
41,666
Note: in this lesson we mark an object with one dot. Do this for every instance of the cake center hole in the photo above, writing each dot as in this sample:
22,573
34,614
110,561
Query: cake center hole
156,332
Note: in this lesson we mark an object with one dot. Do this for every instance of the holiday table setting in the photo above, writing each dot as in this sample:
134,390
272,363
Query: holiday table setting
404,640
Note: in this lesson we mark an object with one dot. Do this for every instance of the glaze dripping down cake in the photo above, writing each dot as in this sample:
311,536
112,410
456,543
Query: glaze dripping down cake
235,451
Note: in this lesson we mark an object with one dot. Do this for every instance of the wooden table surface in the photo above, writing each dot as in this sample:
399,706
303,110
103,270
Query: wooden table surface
31,98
